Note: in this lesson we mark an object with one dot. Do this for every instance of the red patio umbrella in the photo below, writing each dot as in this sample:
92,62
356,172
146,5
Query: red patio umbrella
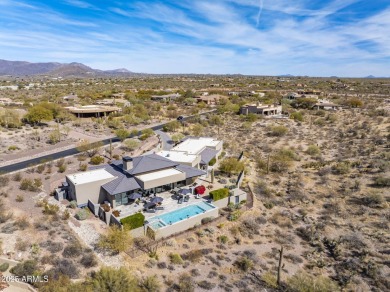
200,190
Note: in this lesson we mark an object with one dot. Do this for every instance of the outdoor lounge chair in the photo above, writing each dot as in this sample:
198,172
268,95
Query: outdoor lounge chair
186,198
180,201
159,208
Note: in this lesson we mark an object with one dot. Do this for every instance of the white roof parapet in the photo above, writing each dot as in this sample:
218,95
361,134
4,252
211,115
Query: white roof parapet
89,176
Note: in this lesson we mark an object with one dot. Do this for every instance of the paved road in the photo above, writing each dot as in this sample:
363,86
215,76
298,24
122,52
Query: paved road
70,152
167,142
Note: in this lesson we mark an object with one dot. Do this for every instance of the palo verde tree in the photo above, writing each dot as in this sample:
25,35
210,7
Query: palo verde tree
37,114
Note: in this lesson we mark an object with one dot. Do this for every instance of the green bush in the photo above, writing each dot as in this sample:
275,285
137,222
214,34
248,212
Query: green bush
96,160
29,267
313,150
4,267
133,221
297,116
382,181
82,214
278,131
244,264
73,204
304,282
219,194
175,259
212,161
341,168
223,239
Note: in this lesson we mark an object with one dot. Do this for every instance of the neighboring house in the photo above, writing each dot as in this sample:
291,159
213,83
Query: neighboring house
114,182
70,98
212,99
327,106
88,111
166,97
194,151
266,110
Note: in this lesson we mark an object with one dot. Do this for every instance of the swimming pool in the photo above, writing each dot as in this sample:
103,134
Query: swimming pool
179,215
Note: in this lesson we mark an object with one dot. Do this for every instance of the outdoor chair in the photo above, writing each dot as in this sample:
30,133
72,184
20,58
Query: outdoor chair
186,198
180,201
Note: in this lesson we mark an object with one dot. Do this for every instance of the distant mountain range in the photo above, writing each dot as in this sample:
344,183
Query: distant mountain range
21,68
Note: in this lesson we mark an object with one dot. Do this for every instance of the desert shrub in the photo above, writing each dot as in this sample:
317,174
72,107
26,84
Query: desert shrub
206,285
4,180
115,240
50,209
96,160
17,177
25,268
219,194
249,227
185,283
22,222
19,198
65,267
133,221
381,181
150,284
82,214
4,267
30,185
278,131
244,263
89,260
223,239
54,247
231,165
297,116
262,188
175,259
21,245
373,200
341,168
269,279
319,122
206,220
111,279
282,160
313,150
193,256
62,168
73,250
304,282
73,204
83,166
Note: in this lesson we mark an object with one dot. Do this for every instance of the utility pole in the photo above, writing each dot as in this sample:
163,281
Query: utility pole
280,264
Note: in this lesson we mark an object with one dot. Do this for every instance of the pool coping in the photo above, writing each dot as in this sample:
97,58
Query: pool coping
172,224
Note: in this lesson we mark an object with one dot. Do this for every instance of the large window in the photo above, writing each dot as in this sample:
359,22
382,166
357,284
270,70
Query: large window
180,184
121,199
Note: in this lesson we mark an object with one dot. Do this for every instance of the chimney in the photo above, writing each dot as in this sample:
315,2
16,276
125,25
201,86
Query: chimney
127,163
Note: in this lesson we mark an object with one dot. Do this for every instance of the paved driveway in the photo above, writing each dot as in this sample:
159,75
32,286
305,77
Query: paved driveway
167,143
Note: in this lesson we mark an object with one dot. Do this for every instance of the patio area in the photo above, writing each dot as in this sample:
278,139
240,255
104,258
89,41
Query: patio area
170,201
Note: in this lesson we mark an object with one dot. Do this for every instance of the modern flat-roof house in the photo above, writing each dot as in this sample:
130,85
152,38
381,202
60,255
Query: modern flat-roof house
327,106
88,111
266,110
212,99
166,97
194,151
114,182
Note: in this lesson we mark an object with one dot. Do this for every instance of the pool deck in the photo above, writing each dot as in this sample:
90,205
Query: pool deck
169,204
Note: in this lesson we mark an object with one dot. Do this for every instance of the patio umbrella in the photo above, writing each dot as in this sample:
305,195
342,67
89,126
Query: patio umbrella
135,196
149,205
184,191
156,200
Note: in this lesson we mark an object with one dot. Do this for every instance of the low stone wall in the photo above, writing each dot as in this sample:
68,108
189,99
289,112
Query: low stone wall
184,224
222,203
94,208
138,232
114,220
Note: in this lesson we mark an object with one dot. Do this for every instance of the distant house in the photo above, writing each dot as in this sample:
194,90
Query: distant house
212,99
114,182
88,111
166,97
266,110
194,152
70,97
327,106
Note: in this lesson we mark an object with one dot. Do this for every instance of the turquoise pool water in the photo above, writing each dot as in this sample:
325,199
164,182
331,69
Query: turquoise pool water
179,215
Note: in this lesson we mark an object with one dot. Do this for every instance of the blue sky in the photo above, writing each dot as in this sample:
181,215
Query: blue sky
262,37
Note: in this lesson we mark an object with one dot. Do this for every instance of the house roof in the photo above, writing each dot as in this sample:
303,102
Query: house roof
190,171
207,154
125,180
148,163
